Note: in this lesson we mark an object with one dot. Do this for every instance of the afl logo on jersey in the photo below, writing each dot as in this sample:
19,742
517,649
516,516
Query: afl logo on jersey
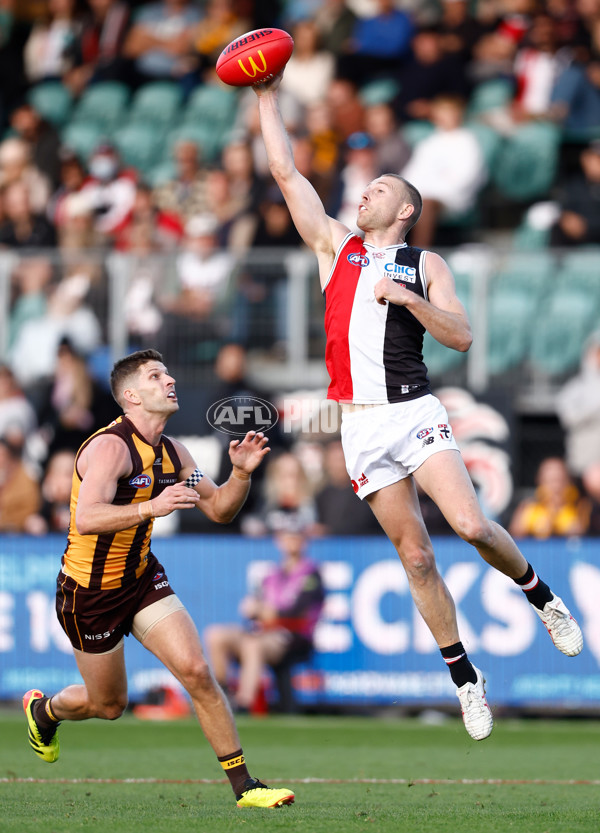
141,481
356,259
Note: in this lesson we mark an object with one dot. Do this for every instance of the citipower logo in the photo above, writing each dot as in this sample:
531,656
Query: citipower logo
254,68
239,414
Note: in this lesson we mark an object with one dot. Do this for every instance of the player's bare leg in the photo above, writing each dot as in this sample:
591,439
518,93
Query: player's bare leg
397,510
176,643
396,507
445,479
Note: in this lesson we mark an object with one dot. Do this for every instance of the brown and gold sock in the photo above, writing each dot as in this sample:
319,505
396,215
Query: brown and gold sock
236,770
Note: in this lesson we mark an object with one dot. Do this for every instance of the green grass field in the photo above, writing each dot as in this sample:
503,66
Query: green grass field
349,774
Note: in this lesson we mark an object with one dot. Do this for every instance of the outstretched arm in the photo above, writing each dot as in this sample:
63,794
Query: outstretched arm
222,503
321,233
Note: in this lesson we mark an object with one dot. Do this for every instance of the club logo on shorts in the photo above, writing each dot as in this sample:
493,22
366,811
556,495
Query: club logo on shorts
141,481
424,433
445,432
356,259
362,481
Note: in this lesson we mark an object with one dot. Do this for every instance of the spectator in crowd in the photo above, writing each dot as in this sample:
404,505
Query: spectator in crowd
68,314
109,191
286,488
378,44
223,21
51,40
17,416
557,508
578,220
280,616
19,490
160,41
54,512
43,141
13,35
392,151
23,228
428,73
537,66
238,163
30,284
591,486
575,98
578,408
185,194
339,511
459,29
310,70
96,52
359,169
148,222
72,175
447,168
346,108
73,404
16,166
203,273
232,209
336,22
325,145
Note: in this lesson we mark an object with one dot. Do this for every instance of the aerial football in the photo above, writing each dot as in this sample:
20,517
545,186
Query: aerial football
255,56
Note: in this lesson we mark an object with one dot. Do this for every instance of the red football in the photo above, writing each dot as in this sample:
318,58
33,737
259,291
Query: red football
254,56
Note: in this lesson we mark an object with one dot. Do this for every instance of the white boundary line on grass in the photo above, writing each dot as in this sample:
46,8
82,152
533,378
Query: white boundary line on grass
394,781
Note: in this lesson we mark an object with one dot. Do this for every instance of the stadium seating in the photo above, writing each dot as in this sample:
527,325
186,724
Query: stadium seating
83,138
213,105
103,104
559,333
208,140
531,271
580,270
156,103
510,317
415,131
53,101
440,359
527,162
139,146
490,95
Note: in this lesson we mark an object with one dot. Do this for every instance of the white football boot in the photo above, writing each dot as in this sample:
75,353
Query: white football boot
476,713
563,629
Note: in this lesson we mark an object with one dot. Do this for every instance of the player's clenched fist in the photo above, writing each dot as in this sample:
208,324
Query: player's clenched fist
178,496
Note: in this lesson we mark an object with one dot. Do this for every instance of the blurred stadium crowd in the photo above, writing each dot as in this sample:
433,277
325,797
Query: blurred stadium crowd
123,158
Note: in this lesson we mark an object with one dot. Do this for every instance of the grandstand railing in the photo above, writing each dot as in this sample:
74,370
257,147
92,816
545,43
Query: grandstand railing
531,313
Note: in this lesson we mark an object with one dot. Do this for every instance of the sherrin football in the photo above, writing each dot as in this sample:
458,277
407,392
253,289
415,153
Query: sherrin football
254,57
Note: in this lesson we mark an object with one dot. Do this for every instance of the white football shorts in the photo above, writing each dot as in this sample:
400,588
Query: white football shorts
387,443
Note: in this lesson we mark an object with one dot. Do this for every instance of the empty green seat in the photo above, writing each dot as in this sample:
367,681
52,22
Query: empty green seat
580,270
213,105
529,271
83,138
415,131
527,162
157,102
52,100
103,103
440,359
560,331
139,146
510,316
490,95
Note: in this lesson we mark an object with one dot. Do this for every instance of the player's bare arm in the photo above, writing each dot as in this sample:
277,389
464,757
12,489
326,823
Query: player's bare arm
222,503
101,465
320,233
443,315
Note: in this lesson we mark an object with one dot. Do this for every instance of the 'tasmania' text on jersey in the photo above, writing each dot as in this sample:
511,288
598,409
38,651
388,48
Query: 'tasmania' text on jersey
374,351
115,559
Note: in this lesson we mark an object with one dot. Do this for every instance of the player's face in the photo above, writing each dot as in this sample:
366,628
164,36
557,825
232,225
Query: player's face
380,204
156,389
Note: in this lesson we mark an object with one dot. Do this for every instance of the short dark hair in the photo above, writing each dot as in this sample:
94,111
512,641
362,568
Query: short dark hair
413,197
128,366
